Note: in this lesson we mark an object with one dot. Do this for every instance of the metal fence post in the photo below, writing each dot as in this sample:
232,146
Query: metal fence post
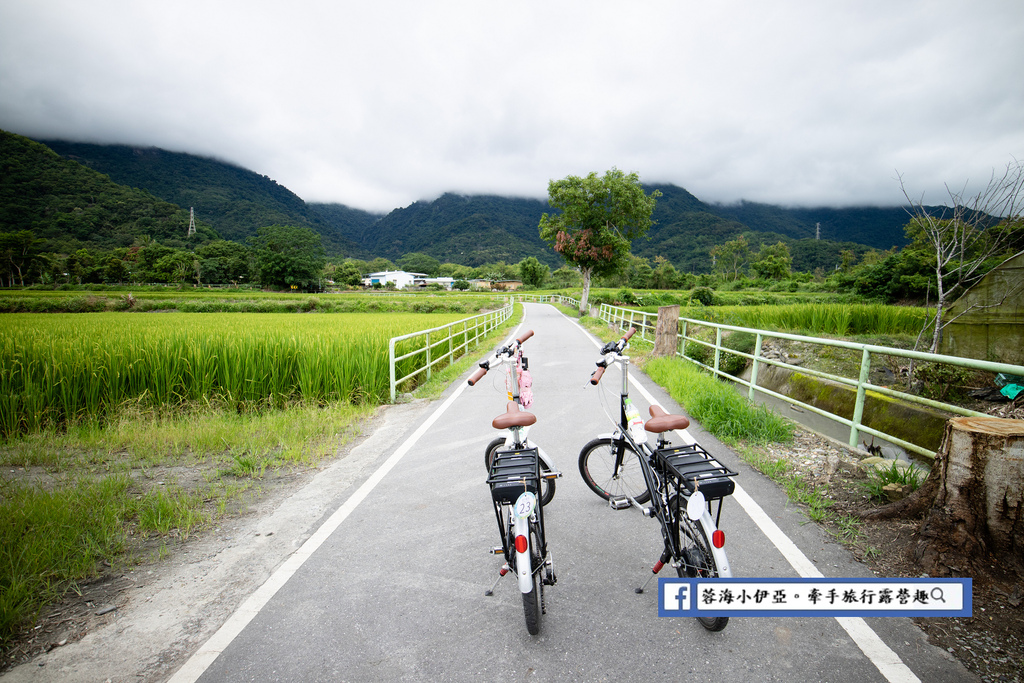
755,365
391,364
718,348
858,408
428,355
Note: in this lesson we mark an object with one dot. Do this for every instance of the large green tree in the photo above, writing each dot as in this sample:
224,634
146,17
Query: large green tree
598,218
533,272
287,255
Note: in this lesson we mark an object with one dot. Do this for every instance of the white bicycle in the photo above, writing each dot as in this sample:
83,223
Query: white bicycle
521,478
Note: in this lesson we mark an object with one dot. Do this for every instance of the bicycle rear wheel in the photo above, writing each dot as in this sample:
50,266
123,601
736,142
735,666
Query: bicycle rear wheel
698,560
547,486
598,461
533,602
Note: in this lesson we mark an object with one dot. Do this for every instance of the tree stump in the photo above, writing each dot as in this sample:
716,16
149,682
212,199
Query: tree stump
666,336
976,517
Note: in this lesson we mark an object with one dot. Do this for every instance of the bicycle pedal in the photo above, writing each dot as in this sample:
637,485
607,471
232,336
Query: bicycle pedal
497,550
648,512
619,503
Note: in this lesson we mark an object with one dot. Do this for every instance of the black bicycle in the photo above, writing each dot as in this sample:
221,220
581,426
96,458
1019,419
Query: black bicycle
680,483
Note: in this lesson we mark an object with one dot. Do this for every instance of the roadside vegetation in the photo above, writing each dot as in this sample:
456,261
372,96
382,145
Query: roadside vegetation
743,425
125,435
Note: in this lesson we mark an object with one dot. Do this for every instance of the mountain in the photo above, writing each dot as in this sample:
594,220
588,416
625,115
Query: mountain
70,206
232,199
478,229
878,227
469,230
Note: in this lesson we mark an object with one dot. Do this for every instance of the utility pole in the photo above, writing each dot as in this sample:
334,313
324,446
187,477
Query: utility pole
191,221
817,231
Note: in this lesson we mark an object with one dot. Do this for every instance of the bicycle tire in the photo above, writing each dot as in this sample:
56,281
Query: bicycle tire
698,562
597,462
547,486
533,602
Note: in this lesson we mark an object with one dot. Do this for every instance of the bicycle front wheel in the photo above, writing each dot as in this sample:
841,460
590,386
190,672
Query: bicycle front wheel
698,562
611,468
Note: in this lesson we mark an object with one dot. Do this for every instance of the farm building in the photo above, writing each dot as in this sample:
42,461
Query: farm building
400,278
988,320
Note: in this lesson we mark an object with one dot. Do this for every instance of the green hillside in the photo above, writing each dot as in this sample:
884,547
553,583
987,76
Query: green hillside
468,230
235,201
69,206
878,227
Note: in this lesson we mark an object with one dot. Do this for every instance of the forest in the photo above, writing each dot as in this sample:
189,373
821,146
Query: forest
75,214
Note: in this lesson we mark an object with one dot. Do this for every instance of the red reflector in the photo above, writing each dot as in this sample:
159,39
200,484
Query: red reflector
718,538
521,544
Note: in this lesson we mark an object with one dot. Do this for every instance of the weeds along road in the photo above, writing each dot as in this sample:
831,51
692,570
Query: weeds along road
389,581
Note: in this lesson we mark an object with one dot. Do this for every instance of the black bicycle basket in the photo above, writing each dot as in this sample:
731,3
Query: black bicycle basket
513,472
694,468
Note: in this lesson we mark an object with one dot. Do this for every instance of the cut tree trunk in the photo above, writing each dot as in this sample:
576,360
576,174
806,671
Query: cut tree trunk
666,337
973,500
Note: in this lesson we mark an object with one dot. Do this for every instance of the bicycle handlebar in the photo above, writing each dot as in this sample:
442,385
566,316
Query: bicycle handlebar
503,351
610,347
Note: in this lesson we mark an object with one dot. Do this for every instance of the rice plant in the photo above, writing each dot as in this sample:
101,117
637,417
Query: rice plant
59,369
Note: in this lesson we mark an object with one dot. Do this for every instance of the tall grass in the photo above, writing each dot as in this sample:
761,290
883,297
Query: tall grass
49,539
61,368
716,405
828,319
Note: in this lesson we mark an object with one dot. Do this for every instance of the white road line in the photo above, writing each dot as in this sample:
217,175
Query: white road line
201,660
874,648
218,642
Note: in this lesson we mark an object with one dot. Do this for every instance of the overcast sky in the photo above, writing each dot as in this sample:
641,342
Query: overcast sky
379,103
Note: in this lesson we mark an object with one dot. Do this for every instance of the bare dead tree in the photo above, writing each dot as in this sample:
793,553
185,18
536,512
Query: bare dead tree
967,234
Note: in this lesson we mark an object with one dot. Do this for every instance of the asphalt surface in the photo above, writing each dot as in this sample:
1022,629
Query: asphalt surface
392,588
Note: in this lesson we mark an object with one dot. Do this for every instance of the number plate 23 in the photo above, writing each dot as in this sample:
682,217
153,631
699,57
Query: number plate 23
525,504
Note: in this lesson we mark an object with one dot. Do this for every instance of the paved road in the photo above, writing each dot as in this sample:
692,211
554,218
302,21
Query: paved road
392,587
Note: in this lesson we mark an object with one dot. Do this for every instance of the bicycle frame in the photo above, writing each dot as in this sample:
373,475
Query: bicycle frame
513,470
630,430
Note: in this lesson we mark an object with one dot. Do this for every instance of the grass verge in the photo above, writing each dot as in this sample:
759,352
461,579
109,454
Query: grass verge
743,425
95,496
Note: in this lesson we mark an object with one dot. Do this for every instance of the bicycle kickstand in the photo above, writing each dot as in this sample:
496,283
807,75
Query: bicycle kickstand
504,570
654,571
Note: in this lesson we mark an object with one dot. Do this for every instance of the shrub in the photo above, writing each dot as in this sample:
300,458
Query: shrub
705,295
739,341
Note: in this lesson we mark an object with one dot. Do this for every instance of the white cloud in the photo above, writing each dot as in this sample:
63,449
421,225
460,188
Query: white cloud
376,105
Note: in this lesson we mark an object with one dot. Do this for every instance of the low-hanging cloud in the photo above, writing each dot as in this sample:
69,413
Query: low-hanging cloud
376,105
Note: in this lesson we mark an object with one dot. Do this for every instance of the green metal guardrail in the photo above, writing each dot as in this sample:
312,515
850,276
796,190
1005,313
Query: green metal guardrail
547,298
646,325
456,335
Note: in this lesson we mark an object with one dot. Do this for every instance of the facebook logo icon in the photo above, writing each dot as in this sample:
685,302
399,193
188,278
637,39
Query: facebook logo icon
675,597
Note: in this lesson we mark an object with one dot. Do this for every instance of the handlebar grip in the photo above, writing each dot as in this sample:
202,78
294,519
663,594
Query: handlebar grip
597,374
475,377
526,335
629,334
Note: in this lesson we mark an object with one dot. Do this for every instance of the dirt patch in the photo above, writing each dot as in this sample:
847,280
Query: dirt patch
991,642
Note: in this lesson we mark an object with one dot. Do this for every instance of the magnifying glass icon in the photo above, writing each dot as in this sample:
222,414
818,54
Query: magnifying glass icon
937,595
